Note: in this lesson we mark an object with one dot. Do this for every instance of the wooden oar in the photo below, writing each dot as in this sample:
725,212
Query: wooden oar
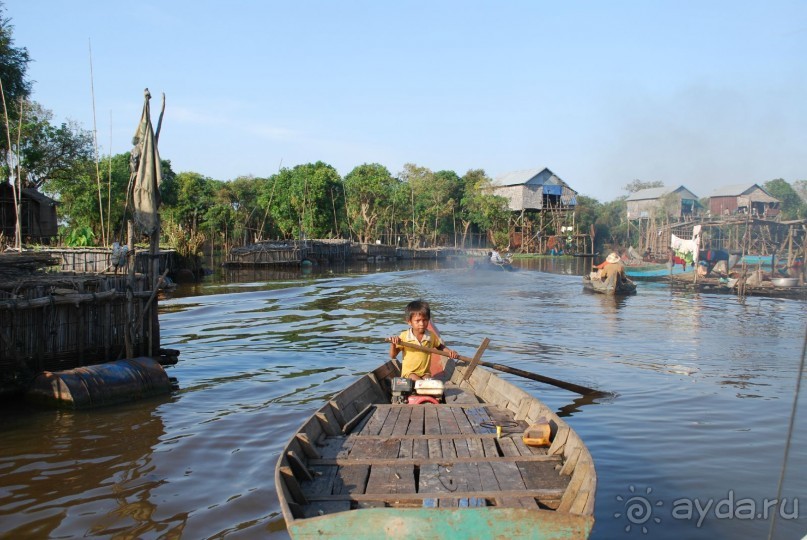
514,371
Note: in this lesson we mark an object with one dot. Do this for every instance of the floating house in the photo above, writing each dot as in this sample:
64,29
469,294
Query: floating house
743,199
663,201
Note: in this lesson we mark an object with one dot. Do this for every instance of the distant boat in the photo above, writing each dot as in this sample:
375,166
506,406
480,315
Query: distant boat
611,287
654,270
757,259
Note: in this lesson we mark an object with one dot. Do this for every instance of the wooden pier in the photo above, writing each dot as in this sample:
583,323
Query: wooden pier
291,253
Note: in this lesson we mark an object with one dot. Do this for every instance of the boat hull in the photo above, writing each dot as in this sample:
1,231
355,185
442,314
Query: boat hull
653,271
623,288
432,523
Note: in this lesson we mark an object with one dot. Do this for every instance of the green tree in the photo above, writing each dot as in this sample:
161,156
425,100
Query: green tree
446,205
242,195
189,197
368,192
49,152
587,214
416,221
479,207
612,223
307,200
638,185
792,206
77,193
800,187
431,203
13,70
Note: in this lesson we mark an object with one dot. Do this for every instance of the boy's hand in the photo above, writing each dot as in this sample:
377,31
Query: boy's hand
394,339
451,353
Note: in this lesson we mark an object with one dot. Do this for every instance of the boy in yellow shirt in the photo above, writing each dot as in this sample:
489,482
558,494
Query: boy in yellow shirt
415,364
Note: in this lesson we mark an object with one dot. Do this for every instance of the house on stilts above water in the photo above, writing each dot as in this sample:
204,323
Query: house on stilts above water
542,206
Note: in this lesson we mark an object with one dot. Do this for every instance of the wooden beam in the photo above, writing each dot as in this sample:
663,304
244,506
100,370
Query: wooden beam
415,461
292,485
427,436
487,494
475,360
298,467
350,424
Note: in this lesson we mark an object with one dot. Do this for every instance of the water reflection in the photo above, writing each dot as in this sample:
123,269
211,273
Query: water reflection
54,482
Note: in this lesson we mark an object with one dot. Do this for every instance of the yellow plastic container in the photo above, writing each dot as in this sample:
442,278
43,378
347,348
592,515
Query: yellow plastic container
537,434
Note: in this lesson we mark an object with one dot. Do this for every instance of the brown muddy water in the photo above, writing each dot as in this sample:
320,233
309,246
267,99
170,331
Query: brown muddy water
691,444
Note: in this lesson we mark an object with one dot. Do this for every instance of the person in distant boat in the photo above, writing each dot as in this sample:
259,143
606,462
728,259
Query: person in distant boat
415,364
495,258
612,267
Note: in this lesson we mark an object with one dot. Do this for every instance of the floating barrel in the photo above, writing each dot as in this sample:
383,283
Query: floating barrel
101,384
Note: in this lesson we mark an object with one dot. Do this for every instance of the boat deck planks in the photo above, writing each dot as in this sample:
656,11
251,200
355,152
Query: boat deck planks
432,458
434,451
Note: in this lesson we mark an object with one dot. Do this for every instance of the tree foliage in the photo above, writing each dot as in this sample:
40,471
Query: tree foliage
13,74
638,185
792,205
368,190
77,195
480,209
49,152
307,201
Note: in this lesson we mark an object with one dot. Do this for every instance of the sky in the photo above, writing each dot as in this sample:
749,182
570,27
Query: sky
693,93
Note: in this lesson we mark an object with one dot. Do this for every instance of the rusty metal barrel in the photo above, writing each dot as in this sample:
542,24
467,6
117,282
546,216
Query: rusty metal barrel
101,384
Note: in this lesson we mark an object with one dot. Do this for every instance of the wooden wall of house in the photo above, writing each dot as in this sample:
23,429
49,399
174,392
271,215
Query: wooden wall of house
514,194
719,206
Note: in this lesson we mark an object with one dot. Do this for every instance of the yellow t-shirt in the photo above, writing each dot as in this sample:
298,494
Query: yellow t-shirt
413,361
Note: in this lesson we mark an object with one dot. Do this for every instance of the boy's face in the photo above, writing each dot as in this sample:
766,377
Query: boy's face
419,323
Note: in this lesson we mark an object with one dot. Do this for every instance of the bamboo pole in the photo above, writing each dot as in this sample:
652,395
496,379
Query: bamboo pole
17,196
95,141
129,333
18,231
109,183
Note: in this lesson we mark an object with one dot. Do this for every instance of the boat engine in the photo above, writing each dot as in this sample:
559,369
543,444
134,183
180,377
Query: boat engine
405,390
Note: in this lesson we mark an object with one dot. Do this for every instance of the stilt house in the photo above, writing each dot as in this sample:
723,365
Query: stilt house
662,201
743,199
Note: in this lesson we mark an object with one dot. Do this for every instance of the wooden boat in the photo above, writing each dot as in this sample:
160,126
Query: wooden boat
366,468
609,286
655,270
506,265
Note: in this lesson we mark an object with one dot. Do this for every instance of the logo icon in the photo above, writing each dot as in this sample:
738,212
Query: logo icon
638,509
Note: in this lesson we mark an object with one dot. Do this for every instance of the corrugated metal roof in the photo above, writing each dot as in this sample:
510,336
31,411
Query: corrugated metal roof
516,178
657,193
734,190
